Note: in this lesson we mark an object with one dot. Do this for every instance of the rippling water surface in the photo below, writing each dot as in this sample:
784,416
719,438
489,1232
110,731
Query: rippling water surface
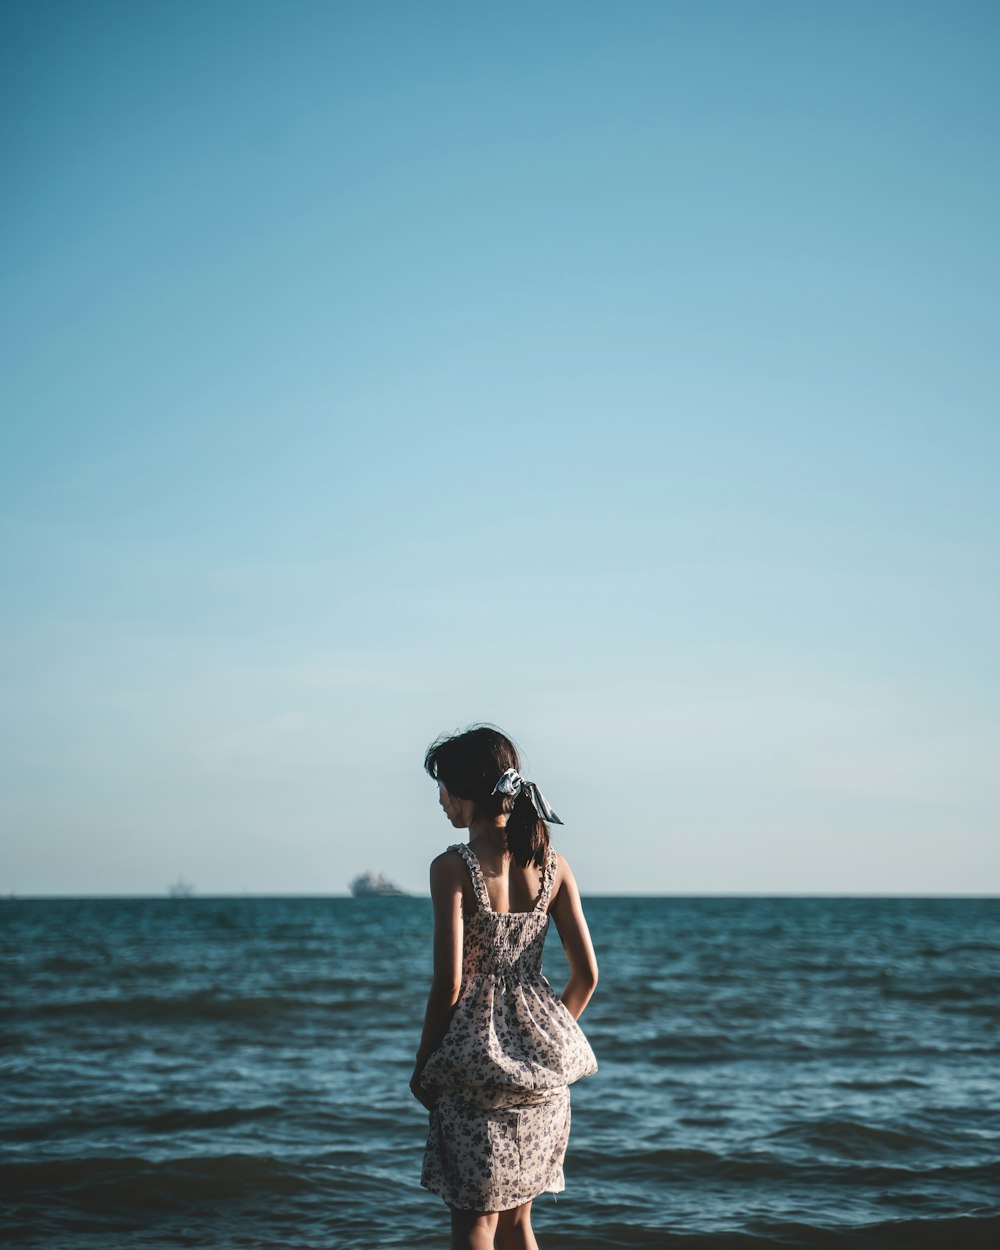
233,1072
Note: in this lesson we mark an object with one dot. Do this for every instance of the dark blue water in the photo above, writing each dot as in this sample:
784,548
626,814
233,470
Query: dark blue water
233,1072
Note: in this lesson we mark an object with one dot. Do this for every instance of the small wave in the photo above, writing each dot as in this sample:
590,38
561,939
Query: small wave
69,963
633,1236
694,1167
179,1118
893,1082
201,1005
102,1183
934,952
979,991
705,1166
700,1047
965,1232
638,1167
854,1139
171,1120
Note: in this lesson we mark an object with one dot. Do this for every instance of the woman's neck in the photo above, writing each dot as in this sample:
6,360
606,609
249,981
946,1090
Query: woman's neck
493,829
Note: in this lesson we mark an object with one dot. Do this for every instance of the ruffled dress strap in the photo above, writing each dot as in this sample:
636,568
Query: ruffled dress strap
548,876
475,872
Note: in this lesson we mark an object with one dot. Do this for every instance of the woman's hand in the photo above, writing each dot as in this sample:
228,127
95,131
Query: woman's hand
422,1093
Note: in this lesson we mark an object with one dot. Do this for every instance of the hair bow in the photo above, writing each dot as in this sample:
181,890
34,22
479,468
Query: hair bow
511,784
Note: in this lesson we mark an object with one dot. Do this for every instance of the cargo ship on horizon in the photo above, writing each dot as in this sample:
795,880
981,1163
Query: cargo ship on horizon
375,885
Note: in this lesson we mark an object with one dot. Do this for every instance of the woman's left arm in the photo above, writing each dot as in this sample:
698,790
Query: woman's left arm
567,911
446,895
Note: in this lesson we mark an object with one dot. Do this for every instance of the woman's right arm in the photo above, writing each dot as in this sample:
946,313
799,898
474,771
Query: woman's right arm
446,895
567,912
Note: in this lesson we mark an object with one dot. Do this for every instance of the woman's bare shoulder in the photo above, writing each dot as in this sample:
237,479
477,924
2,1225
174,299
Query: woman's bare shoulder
448,868
563,874
562,864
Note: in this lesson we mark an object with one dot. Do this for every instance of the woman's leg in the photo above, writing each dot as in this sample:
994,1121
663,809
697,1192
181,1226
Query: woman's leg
473,1230
514,1231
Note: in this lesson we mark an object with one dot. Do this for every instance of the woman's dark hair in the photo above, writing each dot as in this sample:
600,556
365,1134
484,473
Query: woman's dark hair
470,764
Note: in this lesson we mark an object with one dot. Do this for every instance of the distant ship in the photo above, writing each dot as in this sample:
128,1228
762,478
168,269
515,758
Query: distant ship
180,889
374,885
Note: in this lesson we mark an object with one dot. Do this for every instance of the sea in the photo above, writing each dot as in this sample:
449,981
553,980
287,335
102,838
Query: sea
232,1072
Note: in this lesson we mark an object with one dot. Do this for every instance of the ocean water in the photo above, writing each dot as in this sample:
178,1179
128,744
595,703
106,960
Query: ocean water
774,1072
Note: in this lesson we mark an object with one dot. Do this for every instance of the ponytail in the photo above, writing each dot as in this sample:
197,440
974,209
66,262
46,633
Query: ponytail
527,833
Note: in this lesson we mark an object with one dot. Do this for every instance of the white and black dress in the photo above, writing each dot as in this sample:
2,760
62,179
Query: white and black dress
503,1069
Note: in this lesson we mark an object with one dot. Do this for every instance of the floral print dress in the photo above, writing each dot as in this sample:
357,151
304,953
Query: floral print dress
503,1069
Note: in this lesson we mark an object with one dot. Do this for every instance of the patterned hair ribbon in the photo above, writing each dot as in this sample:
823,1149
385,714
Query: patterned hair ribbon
511,784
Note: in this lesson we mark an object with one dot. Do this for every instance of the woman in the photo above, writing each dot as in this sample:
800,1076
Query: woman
499,1050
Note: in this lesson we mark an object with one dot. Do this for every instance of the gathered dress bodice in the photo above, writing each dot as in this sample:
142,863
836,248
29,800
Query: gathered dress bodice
506,945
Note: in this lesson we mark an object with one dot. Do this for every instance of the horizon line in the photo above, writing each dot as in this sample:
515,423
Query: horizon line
13,896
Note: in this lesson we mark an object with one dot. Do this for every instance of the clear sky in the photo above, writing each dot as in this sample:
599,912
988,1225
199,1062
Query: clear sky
625,374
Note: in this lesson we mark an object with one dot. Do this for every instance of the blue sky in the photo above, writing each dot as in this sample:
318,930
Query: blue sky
623,374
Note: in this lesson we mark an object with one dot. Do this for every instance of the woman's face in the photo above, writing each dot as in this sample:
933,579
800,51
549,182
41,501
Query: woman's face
457,810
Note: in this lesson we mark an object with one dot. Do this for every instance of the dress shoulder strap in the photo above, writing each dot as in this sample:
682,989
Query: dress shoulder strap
548,876
475,872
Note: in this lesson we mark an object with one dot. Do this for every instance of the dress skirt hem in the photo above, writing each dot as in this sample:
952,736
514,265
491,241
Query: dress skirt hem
497,1158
